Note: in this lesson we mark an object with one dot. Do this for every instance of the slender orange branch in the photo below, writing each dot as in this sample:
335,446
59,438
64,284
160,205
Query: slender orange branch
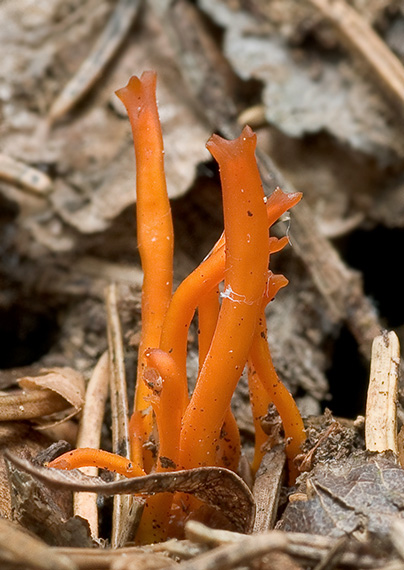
260,400
247,256
169,406
208,312
154,223
206,277
278,393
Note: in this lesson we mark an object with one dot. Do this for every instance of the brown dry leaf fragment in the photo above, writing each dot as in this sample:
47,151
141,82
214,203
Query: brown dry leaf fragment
220,488
267,487
18,405
21,438
363,493
65,381
45,512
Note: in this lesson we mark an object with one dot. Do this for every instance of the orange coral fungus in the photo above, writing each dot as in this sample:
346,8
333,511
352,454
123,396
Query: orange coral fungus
199,429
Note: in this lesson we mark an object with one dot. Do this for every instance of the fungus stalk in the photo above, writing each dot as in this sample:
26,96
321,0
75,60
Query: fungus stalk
154,224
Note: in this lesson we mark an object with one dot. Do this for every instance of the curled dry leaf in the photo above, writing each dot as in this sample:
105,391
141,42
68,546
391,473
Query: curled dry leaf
220,488
66,382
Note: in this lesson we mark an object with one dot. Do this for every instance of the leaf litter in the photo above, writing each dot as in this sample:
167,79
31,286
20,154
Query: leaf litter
346,106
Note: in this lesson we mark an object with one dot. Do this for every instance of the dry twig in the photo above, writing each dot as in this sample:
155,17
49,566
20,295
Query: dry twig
18,549
28,178
124,514
85,504
104,50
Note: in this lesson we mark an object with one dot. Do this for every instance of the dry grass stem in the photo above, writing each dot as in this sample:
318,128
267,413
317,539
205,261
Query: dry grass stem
104,50
85,504
119,412
360,37
239,553
381,415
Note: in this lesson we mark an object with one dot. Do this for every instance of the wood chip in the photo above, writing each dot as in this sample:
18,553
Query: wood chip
28,178
267,488
381,415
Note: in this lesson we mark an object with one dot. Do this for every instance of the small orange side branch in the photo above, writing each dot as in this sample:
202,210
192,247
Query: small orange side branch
278,393
87,456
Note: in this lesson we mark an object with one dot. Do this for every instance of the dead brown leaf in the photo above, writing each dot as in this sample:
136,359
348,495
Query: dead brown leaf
220,488
46,512
362,495
65,382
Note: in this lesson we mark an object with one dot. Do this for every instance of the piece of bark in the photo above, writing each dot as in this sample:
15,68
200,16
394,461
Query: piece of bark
45,512
267,487
21,438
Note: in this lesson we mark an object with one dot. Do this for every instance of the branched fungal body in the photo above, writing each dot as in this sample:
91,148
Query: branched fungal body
199,430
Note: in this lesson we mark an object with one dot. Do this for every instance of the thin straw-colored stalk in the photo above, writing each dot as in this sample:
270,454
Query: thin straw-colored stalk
85,504
119,413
